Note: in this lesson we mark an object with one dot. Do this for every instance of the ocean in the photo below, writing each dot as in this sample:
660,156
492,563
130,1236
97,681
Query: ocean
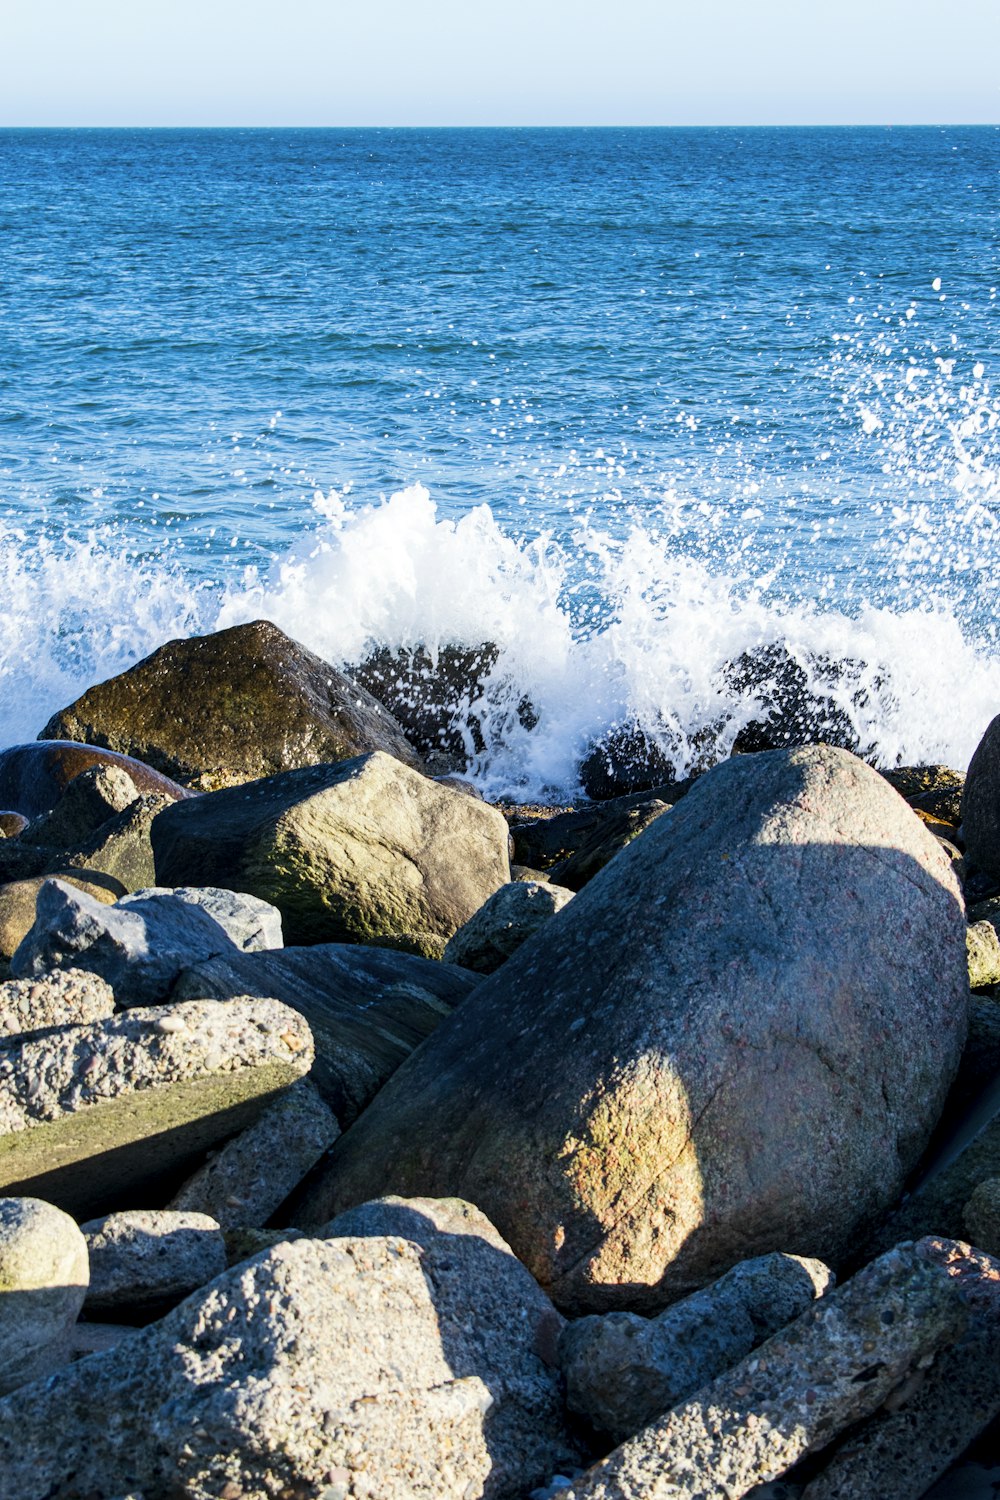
627,403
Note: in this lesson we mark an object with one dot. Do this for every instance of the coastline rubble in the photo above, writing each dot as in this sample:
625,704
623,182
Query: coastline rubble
646,1164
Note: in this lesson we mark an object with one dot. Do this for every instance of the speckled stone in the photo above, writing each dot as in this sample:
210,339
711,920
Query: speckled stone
623,1370
927,1424
350,1362
512,914
834,1365
88,1114
69,997
243,1182
146,1257
43,1280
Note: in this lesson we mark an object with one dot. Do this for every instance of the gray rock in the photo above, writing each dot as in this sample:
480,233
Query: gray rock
142,942
243,1182
89,1114
144,1258
69,997
981,1216
19,901
929,1422
367,1007
669,1081
981,803
542,838
43,1280
89,800
983,946
599,850
512,914
511,1337
363,851
322,1366
834,1365
230,707
623,1370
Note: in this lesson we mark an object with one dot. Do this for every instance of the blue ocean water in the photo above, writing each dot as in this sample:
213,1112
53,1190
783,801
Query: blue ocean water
626,402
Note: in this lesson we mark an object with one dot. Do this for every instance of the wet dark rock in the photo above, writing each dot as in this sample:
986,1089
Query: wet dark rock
981,803
793,708
627,759
230,707
446,700
33,777
543,840
613,835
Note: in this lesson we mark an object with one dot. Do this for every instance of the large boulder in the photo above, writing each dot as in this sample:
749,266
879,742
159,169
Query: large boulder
34,777
92,1114
335,1367
981,803
736,1039
367,1008
366,851
221,709
142,942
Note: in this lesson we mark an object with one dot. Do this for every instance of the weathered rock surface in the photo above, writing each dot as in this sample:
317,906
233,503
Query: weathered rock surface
981,1216
623,1370
34,777
19,899
367,1007
88,801
512,1336
983,945
43,1280
243,1182
90,1113
799,700
512,914
142,942
12,824
981,803
364,852
625,760
144,1258
221,709
118,855
70,997
601,1096
834,1365
596,852
925,1426
918,782
348,1366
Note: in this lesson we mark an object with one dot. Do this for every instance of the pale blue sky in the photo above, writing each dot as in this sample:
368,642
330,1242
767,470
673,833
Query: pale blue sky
545,62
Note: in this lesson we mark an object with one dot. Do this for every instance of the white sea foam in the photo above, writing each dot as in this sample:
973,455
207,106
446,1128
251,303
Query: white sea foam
594,630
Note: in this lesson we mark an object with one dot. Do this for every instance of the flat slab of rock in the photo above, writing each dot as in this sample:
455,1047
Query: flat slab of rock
367,1007
142,942
788,933
34,777
835,1364
43,1281
221,709
70,997
90,1114
142,1258
366,851
926,1426
246,1180
350,1362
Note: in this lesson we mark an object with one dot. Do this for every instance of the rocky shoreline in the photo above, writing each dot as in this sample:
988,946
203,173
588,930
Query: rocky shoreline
360,1140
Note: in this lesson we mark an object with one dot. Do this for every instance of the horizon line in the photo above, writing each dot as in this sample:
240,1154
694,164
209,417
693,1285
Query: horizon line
527,125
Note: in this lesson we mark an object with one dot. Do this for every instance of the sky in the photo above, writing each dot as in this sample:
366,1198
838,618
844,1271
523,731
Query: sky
499,62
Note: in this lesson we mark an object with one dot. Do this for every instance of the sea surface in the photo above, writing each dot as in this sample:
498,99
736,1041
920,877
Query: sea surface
627,403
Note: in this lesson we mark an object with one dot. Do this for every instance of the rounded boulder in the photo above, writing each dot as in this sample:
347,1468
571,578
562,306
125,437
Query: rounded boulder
735,1040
